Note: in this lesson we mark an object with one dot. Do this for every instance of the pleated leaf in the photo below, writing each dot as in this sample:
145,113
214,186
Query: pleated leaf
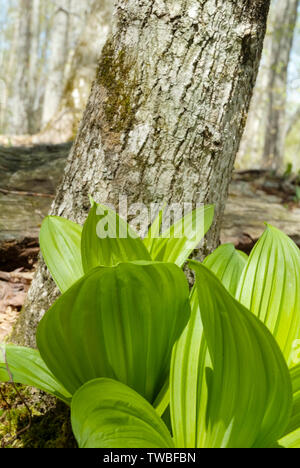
227,264
60,242
246,389
119,322
188,399
107,240
27,367
291,437
162,400
270,288
154,231
177,243
108,414
291,440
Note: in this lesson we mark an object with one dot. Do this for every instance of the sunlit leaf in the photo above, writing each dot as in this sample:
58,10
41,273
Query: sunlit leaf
270,288
108,414
177,243
245,390
291,440
107,240
154,231
27,367
291,437
119,322
60,241
163,399
188,398
227,264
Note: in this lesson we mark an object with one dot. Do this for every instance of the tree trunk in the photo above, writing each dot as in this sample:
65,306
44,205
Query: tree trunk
283,33
33,65
165,115
252,143
293,121
57,62
3,102
20,106
8,70
82,70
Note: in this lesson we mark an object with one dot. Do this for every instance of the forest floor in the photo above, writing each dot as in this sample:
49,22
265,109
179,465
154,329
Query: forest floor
28,179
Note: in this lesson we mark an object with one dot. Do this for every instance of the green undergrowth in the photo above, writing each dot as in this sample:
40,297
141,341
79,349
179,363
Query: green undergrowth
48,428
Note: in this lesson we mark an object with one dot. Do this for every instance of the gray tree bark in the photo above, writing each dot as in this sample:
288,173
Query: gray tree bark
57,62
252,143
33,65
8,70
21,103
82,69
283,33
165,115
293,121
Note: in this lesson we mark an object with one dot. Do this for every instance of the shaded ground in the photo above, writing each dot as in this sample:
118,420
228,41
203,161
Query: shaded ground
255,198
28,179
13,290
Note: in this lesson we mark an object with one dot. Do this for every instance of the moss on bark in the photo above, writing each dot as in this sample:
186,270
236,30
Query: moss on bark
114,75
50,425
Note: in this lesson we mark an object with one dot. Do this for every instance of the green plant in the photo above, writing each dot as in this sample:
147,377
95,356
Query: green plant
129,315
229,385
288,169
218,356
70,251
125,310
297,195
267,284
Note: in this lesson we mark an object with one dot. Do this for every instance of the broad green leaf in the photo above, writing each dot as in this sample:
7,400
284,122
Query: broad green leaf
294,422
246,390
291,437
27,367
227,264
154,231
188,389
178,242
60,241
270,288
291,440
107,240
108,414
162,400
119,322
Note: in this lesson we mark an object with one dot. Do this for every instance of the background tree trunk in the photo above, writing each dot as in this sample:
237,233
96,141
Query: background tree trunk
293,120
8,70
165,115
21,101
252,143
57,62
33,64
283,33
82,69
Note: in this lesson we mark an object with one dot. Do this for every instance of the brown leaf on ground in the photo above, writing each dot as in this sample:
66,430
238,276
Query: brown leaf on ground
13,289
